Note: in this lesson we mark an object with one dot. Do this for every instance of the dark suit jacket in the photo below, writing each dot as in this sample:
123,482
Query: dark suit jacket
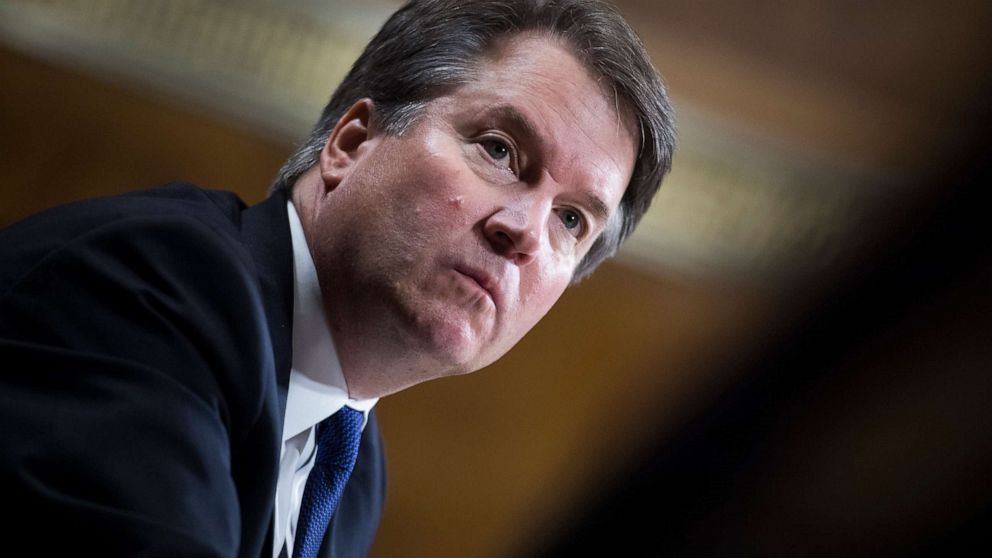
145,350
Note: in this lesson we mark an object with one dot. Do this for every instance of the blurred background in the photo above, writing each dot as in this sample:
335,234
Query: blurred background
790,358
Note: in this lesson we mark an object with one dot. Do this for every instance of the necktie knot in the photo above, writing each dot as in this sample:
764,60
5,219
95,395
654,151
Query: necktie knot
338,437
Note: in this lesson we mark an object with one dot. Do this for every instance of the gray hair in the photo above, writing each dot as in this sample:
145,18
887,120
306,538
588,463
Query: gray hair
429,47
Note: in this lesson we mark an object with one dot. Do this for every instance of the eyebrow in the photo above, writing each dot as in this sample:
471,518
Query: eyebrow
523,126
516,119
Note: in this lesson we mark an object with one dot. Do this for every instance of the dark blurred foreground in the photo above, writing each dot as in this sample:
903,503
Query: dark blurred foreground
864,429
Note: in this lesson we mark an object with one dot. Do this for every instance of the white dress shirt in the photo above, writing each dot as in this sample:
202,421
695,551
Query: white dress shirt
317,389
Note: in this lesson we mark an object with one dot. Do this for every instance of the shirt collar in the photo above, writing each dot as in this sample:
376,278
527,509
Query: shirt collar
317,387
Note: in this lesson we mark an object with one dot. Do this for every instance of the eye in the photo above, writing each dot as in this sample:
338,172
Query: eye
496,149
500,152
572,220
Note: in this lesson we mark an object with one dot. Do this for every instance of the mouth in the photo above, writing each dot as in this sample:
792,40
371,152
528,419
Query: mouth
485,281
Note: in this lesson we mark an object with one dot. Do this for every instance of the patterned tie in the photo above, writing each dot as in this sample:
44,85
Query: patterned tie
337,447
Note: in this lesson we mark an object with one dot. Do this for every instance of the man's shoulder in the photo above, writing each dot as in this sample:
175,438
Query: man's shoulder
176,199
183,196
173,199
158,279
185,213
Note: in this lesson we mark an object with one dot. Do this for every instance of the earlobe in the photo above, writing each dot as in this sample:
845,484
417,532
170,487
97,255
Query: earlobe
342,149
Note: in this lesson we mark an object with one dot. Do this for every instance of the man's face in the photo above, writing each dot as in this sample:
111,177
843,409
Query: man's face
455,238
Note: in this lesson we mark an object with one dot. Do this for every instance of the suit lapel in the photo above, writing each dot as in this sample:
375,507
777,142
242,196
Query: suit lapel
265,230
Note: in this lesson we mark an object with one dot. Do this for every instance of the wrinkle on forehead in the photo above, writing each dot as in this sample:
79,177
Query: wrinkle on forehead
507,47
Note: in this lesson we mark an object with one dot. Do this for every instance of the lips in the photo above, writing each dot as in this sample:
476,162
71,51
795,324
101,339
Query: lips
483,279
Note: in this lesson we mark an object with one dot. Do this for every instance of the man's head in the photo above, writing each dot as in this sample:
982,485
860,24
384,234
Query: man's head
430,47
446,215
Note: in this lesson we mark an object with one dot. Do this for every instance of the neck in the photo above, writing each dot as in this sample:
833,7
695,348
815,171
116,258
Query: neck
374,365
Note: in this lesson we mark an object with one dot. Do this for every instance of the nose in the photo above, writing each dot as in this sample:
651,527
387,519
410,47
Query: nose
514,230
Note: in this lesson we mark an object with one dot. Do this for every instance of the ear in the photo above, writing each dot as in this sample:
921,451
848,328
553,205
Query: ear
343,148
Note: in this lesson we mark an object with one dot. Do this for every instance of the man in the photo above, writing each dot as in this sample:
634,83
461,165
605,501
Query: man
190,377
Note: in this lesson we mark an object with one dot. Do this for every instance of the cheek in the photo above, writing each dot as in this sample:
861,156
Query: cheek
541,288
436,196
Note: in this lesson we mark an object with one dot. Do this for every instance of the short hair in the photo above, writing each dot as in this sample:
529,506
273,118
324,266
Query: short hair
430,47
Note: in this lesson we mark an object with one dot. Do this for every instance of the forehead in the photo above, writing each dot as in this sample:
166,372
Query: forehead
535,85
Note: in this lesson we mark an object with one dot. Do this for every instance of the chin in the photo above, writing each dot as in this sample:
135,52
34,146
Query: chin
454,345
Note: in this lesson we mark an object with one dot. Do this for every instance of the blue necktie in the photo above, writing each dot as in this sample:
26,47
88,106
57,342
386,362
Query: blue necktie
337,447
